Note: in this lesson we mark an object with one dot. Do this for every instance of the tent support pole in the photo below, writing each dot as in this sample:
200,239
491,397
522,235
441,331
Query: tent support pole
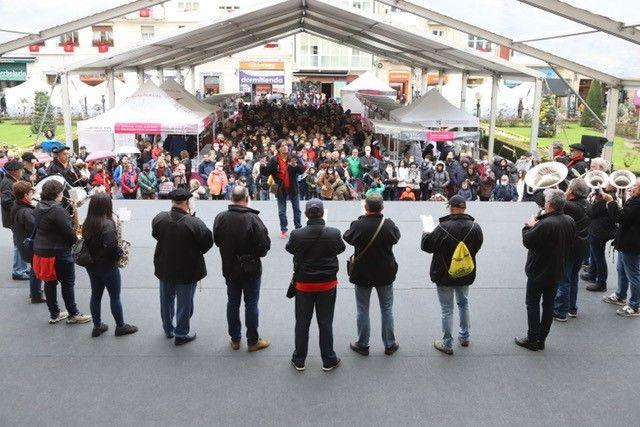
192,78
140,76
613,97
198,146
492,116
463,91
440,80
535,116
161,75
111,88
425,81
66,112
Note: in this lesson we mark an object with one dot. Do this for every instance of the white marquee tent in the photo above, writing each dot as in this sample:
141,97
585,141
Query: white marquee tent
148,111
433,110
187,100
367,83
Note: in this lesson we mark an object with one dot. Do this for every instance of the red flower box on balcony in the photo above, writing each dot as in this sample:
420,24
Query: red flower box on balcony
103,48
145,13
34,48
68,47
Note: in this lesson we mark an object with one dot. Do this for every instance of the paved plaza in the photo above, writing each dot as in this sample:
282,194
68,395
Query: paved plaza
59,375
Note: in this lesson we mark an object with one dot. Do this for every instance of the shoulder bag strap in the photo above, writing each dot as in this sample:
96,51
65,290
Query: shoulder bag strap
371,241
465,236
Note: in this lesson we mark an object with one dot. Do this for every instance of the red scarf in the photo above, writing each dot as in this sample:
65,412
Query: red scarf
574,161
283,172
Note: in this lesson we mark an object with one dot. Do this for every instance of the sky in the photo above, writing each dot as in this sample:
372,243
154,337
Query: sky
507,17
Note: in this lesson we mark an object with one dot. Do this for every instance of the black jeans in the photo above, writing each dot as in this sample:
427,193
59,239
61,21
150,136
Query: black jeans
100,279
539,327
425,193
66,273
324,303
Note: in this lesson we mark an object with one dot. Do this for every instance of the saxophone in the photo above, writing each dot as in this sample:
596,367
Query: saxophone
124,245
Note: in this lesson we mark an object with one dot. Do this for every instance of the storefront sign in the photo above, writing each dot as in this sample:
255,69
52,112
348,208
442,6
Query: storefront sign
399,76
259,65
440,136
16,72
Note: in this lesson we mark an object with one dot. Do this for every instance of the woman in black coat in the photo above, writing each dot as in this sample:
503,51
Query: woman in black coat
100,235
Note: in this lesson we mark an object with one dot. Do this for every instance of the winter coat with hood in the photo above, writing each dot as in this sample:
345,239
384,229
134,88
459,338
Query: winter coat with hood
440,179
217,181
55,234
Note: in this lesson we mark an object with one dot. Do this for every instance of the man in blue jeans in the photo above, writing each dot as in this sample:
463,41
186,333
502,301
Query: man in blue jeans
243,240
627,243
577,208
284,169
374,266
453,229
182,240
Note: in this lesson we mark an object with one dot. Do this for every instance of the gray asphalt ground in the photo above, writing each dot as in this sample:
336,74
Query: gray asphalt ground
59,375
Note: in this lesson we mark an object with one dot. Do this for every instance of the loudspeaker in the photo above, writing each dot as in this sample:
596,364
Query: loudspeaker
593,145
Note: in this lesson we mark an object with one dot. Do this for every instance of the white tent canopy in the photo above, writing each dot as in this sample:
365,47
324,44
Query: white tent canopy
187,100
367,83
148,111
433,110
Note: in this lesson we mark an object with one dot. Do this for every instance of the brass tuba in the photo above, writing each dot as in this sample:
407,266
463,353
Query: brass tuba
622,180
596,180
546,175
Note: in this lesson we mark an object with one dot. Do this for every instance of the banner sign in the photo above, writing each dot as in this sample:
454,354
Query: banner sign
440,136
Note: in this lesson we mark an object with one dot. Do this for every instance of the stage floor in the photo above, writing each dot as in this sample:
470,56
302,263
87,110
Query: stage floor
58,374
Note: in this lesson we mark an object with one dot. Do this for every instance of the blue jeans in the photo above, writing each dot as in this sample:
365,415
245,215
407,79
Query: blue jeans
385,296
20,268
35,285
567,289
629,278
109,279
66,274
176,298
598,262
251,290
282,209
445,295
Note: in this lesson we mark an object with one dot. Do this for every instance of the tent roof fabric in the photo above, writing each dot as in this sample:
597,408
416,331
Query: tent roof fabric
149,110
271,20
433,110
368,81
184,98
382,102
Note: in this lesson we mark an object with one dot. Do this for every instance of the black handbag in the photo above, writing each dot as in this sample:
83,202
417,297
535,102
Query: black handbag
81,254
291,291
27,243
351,262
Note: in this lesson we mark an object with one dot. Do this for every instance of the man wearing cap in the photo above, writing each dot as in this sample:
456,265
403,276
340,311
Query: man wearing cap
20,269
182,241
29,173
62,166
442,242
315,250
577,164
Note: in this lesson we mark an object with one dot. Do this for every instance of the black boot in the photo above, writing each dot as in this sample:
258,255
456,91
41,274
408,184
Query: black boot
526,343
184,340
597,287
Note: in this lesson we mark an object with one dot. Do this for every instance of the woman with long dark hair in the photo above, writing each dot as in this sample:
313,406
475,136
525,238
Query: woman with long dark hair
100,235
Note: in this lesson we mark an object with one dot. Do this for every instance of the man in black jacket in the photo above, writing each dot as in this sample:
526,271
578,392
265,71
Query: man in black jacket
567,290
20,270
315,250
374,267
62,166
183,239
442,242
285,170
22,225
243,240
627,243
549,238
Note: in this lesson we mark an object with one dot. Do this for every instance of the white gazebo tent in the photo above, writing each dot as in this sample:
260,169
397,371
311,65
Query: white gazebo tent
433,110
367,83
187,100
148,111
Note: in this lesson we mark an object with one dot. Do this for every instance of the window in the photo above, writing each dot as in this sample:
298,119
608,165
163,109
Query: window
189,6
229,8
102,35
439,33
71,38
478,43
147,31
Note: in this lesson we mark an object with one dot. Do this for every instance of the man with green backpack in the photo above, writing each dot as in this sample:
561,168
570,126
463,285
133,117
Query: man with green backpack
454,244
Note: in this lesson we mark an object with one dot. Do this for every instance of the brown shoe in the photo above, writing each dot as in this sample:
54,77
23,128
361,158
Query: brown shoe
235,344
261,344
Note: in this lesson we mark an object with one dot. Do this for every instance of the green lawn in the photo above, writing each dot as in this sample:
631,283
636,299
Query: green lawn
19,137
570,134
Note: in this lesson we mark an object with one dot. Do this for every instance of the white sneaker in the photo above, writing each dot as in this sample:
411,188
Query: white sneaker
61,316
613,299
627,311
78,318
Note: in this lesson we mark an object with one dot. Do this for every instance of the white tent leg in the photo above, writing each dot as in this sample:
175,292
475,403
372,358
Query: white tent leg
161,75
425,81
492,117
535,116
66,111
463,91
140,76
613,97
440,80
192,78
111,89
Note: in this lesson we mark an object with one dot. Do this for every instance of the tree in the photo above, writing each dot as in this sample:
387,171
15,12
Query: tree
548,117
595,100
40,121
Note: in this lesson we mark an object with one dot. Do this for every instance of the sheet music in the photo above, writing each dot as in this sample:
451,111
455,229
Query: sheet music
428,225
363,210
325,216
124,214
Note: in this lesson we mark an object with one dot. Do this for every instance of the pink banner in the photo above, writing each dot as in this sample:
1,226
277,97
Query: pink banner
440,136
150,128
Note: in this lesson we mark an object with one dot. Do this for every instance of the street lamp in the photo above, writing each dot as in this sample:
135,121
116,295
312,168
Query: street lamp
478,98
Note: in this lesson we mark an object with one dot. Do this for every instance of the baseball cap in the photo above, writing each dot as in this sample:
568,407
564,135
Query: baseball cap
314,204
59,149
457,202
27,157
